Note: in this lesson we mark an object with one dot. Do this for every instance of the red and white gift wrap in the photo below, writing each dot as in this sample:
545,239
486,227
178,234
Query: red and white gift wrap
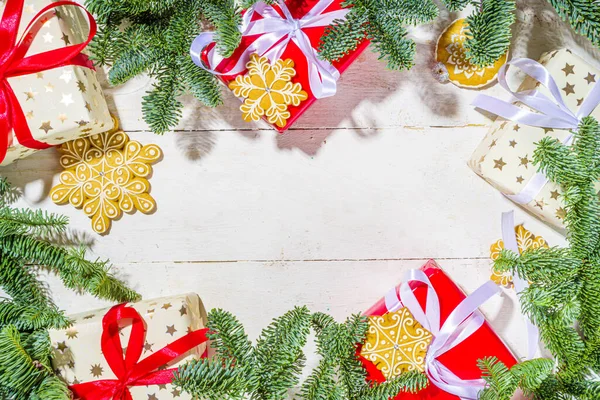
461,335
288,30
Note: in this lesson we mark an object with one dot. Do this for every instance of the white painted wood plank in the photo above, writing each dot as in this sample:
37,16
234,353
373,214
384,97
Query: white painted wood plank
258,292
365,194
369,96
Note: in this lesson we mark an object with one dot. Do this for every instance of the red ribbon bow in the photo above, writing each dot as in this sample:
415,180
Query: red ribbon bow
14,63
127,367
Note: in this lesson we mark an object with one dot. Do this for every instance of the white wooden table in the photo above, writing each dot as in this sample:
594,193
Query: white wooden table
368,184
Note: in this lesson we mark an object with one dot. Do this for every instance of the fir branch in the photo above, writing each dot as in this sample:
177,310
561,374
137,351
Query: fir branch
156,41
229,339
488,31
51,388
201,83
582,15
18,371
563,299
408,382
456,5
344,36
226,18
31,317
207,379
384,23
161,108
279,353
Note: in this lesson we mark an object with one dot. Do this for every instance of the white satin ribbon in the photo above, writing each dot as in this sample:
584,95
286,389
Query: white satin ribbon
464,320
510,242
276,32
552,112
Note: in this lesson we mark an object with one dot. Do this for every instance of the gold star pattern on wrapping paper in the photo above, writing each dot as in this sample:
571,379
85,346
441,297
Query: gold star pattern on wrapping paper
30,94
105,175
89,316
512,143
171,330
554,194
81,86
520,179
580,101
516,128
152,397
396,343
166,306
547,130
267,90
493,143
524,161
560,213
569,89
568,69
499,164
175,393
65,39
96,370
71,333
61,346
148,346
183,310
46,127
525,241
590,78
540,203
162,387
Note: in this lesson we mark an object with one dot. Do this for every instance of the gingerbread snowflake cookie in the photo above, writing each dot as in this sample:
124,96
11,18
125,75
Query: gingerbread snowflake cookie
396,343
267,90
106,175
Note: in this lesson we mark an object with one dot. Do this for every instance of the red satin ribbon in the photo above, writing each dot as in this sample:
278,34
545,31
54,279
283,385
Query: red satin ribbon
127,367
14,63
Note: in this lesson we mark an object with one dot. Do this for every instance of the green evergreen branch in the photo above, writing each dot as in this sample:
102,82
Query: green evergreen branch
563,299
226,18
582,15
28,311
156,42
18,371
272,367
488,31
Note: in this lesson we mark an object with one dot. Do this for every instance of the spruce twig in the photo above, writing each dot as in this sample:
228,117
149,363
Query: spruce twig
28,312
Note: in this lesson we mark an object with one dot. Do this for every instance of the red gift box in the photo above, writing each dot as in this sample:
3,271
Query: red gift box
297,9
462,359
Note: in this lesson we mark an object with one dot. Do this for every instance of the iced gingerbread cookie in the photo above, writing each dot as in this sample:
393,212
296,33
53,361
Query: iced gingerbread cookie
105,175
396,343
267,90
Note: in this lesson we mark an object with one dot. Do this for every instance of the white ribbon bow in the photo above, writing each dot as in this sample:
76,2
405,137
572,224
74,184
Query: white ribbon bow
276,32
464,320
552,112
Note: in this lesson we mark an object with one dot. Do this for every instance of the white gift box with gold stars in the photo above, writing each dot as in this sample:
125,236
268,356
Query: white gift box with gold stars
63,103
505,156
78,358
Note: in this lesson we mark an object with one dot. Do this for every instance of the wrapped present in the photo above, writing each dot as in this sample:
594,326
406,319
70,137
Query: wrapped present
49,92
130,351
276,70
428,324
505,156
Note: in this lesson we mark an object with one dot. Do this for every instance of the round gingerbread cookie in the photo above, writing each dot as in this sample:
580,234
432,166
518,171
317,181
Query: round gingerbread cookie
451,52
